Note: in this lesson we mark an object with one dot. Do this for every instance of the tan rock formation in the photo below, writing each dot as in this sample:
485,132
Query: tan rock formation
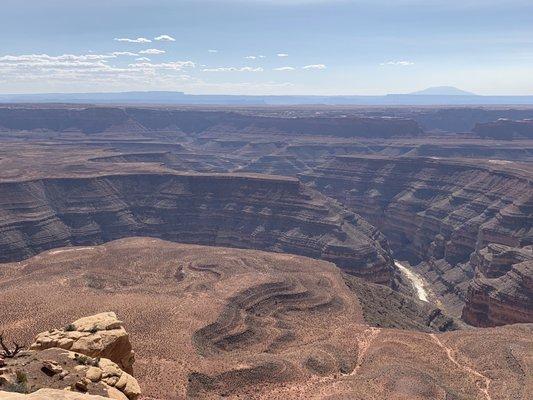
48,365
100,335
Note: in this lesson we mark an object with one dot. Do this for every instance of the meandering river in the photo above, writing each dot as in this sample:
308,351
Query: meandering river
415,280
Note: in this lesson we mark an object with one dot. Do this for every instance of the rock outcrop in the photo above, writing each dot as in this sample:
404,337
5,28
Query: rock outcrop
502,291
259,212
47,367
101,335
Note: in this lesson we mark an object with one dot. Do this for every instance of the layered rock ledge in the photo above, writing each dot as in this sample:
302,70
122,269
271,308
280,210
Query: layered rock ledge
501,292
257,212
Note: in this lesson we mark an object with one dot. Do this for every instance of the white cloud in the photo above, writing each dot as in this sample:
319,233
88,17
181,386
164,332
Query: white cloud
142,59
234,69
138,40
45,58
165,38
124,53
175,65
251,57
315,66
401,63
152,51
89,71
284,69
212,51
283,55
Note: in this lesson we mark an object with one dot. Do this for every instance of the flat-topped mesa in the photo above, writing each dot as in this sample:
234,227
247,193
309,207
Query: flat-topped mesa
101,119
505,129
74,363
247,211
502,291
434,211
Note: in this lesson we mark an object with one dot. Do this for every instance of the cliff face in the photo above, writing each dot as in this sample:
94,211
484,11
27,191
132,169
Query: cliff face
505,129
88,120
501,292
96,120
464,119
257,212
434,211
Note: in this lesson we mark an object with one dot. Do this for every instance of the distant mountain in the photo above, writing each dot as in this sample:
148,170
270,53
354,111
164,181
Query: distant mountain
443,91
431,96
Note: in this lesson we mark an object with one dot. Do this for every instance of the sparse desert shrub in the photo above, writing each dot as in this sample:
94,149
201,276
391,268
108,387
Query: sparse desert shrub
6,351
86,360
70,328
20,386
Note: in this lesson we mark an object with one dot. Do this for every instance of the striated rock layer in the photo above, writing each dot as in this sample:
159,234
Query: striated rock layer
276,214
93,120
501,292
211,323
434,212
505,129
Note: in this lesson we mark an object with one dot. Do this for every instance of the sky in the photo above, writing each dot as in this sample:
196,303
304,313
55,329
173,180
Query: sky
320,47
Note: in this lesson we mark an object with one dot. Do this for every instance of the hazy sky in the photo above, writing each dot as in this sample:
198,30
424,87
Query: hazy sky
266,46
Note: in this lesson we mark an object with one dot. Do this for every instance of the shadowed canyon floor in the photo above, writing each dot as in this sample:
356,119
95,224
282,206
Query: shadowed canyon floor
208,322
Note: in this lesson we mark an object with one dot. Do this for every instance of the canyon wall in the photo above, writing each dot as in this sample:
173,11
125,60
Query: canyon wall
501,291
99,119
434,212
505,129
258,212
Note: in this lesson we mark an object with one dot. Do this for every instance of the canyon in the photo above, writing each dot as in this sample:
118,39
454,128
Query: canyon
211,322
279,252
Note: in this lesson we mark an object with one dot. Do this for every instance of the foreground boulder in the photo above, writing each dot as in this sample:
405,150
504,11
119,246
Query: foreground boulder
100,335
65,363
49,394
